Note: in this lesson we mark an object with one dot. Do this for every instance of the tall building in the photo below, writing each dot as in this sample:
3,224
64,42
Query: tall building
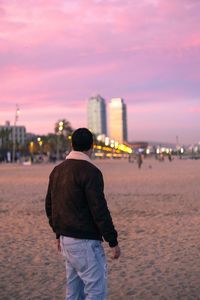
96,112
117,120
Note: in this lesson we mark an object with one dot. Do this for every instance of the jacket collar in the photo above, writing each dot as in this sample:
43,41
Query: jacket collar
78,155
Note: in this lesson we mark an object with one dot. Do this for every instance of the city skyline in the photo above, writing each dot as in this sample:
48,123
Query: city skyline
54,55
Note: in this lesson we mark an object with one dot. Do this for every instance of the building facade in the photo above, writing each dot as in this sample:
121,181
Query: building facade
9,133
118,120
96,113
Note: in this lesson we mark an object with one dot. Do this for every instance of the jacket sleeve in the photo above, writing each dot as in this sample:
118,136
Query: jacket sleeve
48,207
48,204
94,191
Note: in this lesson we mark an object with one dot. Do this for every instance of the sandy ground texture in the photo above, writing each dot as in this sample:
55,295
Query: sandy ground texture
156,211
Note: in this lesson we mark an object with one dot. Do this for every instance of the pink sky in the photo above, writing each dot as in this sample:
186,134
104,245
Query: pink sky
55,54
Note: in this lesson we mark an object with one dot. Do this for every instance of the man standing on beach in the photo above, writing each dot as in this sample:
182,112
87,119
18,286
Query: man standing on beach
78,214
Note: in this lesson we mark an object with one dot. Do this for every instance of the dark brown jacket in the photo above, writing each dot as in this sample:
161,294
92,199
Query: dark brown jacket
75,203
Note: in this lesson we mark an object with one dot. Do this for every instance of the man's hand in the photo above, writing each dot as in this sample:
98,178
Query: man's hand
115,252
58,245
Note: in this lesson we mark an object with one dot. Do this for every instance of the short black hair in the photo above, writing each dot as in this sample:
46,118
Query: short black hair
82,139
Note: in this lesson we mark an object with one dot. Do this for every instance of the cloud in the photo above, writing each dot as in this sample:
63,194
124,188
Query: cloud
194,109
60,52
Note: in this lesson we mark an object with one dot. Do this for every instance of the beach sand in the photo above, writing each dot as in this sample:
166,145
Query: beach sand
156,211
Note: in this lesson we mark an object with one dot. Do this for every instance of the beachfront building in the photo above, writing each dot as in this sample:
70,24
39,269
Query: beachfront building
118,120
96,113
9,133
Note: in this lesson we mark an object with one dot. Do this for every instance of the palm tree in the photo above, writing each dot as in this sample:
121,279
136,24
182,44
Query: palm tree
63,130
63,127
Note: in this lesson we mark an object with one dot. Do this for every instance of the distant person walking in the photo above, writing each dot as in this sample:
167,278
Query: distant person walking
170,157
79,216
139,160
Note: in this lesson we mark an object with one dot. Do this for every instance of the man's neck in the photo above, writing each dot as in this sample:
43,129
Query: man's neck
88,153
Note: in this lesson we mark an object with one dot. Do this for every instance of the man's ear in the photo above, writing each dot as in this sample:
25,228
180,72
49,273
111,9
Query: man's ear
90,152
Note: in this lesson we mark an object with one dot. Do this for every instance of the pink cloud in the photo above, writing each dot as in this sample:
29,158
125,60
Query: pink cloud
60,52
194,109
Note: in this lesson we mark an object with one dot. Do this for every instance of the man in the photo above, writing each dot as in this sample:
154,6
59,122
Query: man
78,214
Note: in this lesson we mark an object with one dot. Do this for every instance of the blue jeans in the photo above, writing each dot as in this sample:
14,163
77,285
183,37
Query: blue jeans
86,269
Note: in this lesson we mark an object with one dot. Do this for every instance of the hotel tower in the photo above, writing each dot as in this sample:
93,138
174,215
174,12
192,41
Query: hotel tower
96,112
117,120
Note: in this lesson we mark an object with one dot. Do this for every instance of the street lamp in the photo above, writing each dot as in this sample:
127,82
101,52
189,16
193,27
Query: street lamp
60,130
40,142
17,112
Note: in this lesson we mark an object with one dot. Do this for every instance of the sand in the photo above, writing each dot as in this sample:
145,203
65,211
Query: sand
156,211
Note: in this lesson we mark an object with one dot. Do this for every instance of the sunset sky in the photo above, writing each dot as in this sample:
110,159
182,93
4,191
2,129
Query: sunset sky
55,54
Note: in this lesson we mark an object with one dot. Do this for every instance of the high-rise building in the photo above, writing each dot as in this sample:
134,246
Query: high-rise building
117,120
96,112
